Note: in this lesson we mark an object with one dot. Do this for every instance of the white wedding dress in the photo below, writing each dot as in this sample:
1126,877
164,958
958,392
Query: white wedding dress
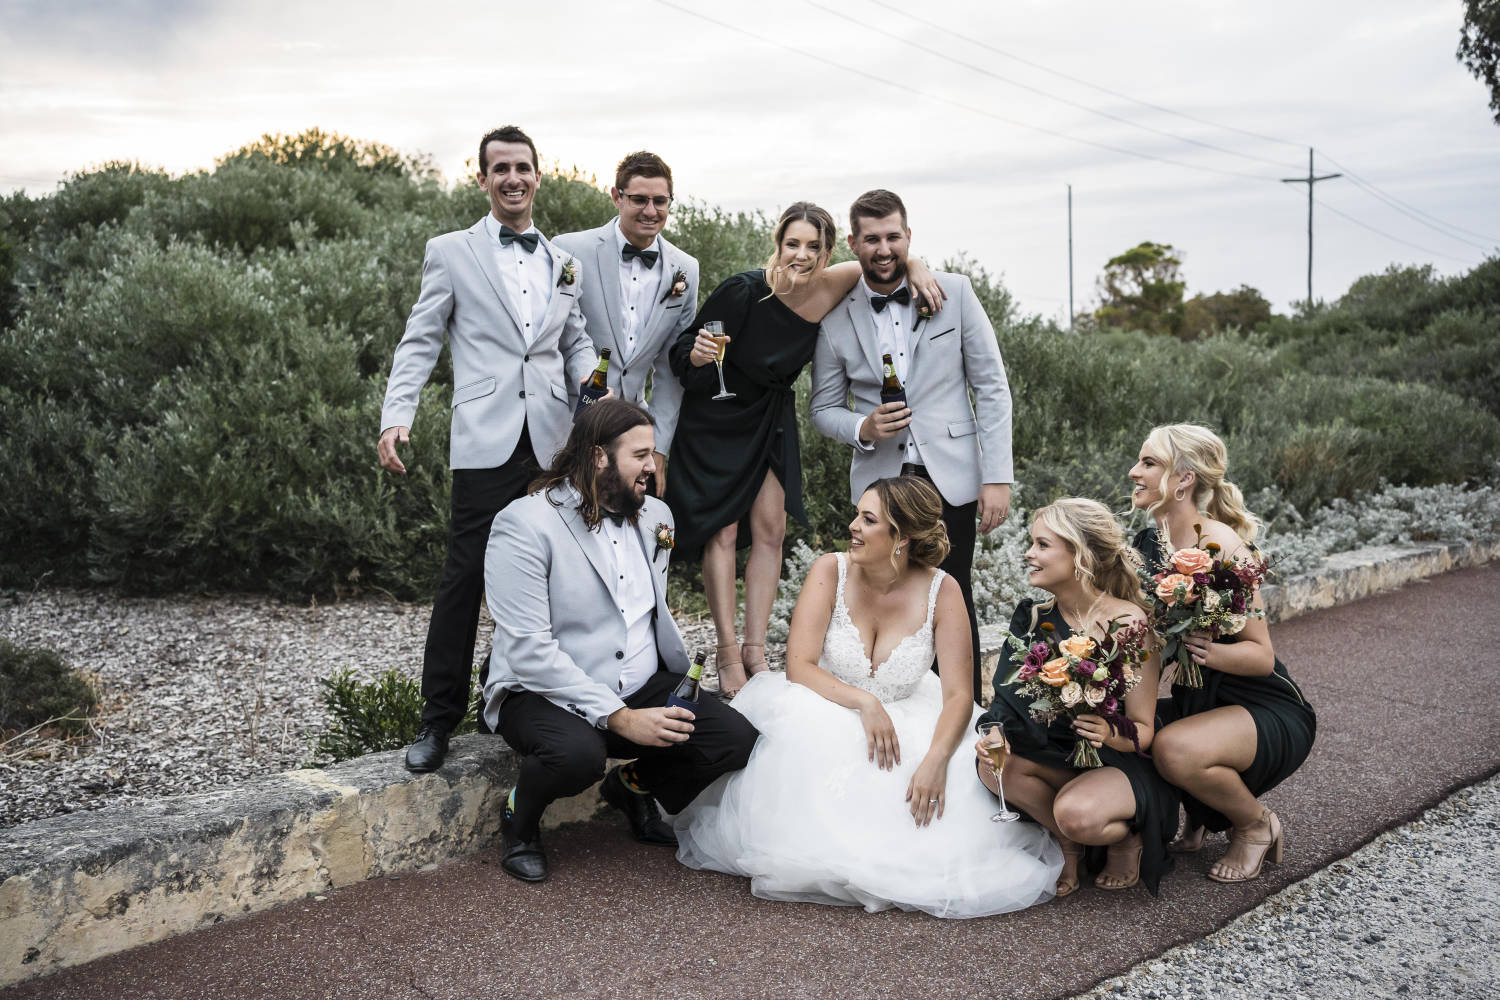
812,819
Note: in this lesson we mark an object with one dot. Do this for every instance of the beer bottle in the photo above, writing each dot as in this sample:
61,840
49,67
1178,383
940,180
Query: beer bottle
686,695
891,390
597,385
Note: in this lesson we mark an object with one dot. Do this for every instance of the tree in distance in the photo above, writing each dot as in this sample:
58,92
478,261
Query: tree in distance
1479,46
1141,289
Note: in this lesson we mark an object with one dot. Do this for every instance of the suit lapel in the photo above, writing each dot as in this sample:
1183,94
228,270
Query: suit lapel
915,334
607,264
864,330
563,296
483,250
587,540
668,263
647,535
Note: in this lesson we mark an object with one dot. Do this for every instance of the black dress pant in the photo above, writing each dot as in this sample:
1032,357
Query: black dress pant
561,754
963,530
448,661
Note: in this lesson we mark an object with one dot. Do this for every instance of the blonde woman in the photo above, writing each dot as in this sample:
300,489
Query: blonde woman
1248,727
1120,815
849,796
735,466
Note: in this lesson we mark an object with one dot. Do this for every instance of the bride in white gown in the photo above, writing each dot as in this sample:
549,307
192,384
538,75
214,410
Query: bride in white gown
848,797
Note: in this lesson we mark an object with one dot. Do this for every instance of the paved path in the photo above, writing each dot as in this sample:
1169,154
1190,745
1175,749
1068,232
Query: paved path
1408,712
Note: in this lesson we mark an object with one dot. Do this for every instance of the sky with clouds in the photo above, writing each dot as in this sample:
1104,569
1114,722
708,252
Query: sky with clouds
1172,120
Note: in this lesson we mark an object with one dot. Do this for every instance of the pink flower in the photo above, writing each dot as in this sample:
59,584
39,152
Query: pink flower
1191,561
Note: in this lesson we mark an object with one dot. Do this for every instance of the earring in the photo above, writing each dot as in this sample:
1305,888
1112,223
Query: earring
898,550
1178,496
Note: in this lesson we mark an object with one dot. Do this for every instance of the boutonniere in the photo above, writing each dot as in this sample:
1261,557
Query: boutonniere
924,312
676,290
664,540
569,273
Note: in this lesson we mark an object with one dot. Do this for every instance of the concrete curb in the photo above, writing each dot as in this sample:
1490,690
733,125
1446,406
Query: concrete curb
79,887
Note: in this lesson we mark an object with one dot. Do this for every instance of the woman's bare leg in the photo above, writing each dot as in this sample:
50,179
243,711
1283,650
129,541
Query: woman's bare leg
718,587
763,570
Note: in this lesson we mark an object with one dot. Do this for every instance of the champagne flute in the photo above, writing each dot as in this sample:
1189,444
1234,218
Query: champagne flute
715,329
992,734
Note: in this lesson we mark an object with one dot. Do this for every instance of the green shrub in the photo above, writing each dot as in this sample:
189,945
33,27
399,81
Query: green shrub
371,716
37,687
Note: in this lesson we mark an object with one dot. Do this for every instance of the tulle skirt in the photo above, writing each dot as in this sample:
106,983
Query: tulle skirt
811,819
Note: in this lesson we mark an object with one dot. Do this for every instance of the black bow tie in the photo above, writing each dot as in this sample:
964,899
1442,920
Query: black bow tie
648,257
528,241
901,295
618,518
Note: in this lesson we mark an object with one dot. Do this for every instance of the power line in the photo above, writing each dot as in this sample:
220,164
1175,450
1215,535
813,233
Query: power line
1414,212
1037,90
1369,187
1086,83
1397,239
818,57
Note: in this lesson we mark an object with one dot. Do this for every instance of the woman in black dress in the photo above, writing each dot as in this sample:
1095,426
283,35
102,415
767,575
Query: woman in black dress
1248,727
736,470
1118,817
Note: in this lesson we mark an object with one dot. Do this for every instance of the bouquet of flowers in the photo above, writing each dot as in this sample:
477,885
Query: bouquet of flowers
1200,591
1080,675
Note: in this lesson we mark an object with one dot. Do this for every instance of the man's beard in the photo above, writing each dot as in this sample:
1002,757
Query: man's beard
898,275
615,494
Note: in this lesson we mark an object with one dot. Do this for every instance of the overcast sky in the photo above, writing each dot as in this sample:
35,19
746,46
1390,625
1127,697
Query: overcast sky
977,113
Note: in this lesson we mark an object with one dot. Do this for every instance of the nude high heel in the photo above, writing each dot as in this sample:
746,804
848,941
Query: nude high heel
1270,851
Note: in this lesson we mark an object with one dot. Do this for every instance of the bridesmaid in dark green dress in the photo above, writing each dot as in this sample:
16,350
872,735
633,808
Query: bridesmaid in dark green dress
735,469
1248,727
1114,819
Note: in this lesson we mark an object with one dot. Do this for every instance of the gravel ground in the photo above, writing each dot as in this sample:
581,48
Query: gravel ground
198,692
1414,913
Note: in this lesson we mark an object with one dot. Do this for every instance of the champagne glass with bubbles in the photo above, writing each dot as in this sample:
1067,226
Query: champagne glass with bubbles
715,329
992,735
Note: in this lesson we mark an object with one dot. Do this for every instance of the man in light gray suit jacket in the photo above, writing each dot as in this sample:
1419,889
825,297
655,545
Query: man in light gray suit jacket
639,292
508,304
963,449
586,649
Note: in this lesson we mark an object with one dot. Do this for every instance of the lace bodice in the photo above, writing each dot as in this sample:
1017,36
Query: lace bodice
844,651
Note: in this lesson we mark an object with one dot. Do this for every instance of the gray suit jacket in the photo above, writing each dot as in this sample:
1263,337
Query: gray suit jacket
550,585
669,316
499,382
962,445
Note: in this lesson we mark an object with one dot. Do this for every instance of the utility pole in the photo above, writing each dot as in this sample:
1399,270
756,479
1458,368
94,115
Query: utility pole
1070,257
1309,180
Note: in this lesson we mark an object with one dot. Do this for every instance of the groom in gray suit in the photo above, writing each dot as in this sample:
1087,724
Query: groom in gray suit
638,293
586,649
962,448
508,304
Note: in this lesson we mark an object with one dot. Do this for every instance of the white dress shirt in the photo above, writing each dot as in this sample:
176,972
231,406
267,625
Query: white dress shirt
635,599
526,277
893,330
639,285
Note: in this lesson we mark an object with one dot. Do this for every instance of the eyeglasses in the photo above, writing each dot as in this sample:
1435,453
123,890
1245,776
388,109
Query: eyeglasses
661,201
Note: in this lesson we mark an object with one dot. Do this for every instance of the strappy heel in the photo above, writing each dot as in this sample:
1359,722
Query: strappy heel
1270,851
751,669
1067,885
1191,841
721,667
1113,881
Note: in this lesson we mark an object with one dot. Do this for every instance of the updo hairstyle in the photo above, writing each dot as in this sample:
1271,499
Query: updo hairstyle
1101,557
1193,448
914,509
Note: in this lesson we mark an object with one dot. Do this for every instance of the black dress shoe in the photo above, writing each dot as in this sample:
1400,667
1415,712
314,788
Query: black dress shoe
646,824
428,752
522,859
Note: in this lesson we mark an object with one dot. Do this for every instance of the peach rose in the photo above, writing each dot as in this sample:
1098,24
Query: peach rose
1080,647
1071,694
1094,694
1166,589
1191,561
1055,672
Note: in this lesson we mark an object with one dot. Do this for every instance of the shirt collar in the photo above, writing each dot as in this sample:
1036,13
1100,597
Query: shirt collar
870,293
620,240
